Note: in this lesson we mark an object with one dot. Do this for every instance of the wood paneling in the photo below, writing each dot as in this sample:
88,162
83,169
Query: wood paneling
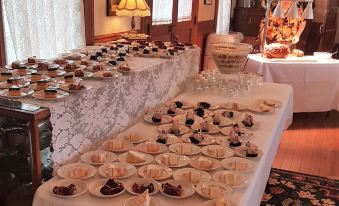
204,29
247,20
89,21
311,145
2,40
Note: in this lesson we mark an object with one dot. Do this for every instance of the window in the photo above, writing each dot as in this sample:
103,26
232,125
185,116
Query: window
224,15
162,12
42,28
184,10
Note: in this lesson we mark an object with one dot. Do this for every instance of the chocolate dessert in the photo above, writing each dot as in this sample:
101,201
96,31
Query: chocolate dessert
112,62
111,187
200,112
93,57
70,67
140,188
122,54
171,112
79,73
104,50
98,54
135,48
204,105
120,58
179,104
65,191
172,190
154,49
156,120
6,73
228,114
189,121
232,144
42,66
146,51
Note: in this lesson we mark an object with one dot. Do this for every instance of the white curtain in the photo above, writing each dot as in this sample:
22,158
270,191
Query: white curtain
184,10
42,28
162,12
224,15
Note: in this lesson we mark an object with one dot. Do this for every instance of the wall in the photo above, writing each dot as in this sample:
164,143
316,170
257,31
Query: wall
337,34
104,25
206,12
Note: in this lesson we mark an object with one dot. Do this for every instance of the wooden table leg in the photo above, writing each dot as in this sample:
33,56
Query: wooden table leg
35,154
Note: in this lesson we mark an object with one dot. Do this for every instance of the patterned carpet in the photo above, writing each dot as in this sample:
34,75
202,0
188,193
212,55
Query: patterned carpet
294,189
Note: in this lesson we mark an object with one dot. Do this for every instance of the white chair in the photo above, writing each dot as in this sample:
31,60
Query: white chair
218,39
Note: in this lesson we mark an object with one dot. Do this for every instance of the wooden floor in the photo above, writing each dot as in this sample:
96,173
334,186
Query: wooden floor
311,145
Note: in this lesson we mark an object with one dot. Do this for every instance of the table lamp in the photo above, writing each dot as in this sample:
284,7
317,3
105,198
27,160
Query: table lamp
133,8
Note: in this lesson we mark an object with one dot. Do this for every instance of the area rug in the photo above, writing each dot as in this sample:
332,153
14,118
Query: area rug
294,189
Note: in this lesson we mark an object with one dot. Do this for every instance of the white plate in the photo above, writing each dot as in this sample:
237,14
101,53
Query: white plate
164,120
186,105
224,121
245,133
166,128
226,190
182,162
143,147
242,180
188,188
236,114
227,151
212,129
61,80
130,169
50,85
144,181
24,93
171,139
182,119
229,164
269,102
213,203
176,149
4,78
179,175
258,108
126,145
207,139
86,158
58,73
79,184
41,95
99,74
194,163
229,105
147,157
86,75
95,186
177,112
66,170
224,141
132,201
65,87
22,83
166,172
241,152
141,138
43,77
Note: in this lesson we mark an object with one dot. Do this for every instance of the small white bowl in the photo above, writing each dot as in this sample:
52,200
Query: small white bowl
322,55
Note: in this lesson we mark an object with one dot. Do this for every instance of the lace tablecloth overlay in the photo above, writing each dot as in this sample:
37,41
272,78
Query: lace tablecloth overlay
82,121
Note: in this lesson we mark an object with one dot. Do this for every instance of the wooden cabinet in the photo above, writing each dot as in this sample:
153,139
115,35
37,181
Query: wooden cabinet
247,20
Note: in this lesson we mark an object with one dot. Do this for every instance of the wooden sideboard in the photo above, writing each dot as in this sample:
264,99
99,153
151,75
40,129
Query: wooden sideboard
247,20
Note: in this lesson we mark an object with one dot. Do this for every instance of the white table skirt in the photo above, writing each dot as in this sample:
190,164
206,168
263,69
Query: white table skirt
315,84
81,121
267,137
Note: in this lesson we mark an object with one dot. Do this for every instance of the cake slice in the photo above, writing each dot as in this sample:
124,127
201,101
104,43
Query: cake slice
143,199
135,157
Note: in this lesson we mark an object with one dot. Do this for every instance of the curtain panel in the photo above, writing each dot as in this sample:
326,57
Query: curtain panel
162,12
224,16
184,10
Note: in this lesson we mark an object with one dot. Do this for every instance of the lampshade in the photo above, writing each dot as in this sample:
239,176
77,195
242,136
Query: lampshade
293,11
308,12
279,11
133,8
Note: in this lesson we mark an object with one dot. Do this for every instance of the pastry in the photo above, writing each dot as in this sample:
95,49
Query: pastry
133,138
222,201
99,157
171,189
277,50
212,192
169,159
52,71
140,188
237,166
297,53
79,73
204,105
189,118
60,61
162,138
42,66
14,91
76,86
251,150
13,81
200,112
79,172
248,120
184,149
42,84
107,74
204,163
216,152
65,191
98,67
193,176
172,110
178,104
153,171
125,68
115,144
143,199
112,62
15,65
152,147
84,62
230,179
31,60
216,118
112,187
175,129
116,171
234,140
35,77
157,116
70,67
196,138
69,78
204,127
22,70
229,114
135,157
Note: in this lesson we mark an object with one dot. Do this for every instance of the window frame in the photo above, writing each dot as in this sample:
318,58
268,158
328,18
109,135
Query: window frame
2,40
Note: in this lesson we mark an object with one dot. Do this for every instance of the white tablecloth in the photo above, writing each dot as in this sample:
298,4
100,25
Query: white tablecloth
83,120
267,137
315,84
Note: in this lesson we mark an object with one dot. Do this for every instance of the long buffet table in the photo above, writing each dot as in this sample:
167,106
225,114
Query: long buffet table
315,82
267,137
83,120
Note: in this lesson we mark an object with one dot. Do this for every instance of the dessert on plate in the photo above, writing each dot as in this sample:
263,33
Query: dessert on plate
70,67
35,77
172,190
31,60
196,138
78,172
76,86
52,71
50,93
116,171
157,116
169,159
192,175
153,171
216,151
124,68
112,187
251,150
162,137
140,188
65,190
69,78
42,66
14,91
15,64
216,118
199,111
99,157
204,105
115,145
42,84
13,81
203,163
212,191
22,70
135,157
248,120
60,61
107,74
189,118
142,200
98,67
79,73
175,129
234,140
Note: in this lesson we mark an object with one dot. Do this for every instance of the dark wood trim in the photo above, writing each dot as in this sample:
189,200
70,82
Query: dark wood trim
216,13
2,40
109,37
89,21
204,29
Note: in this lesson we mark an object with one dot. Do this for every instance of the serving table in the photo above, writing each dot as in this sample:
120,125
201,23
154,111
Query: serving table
267,137
84,119
315,82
